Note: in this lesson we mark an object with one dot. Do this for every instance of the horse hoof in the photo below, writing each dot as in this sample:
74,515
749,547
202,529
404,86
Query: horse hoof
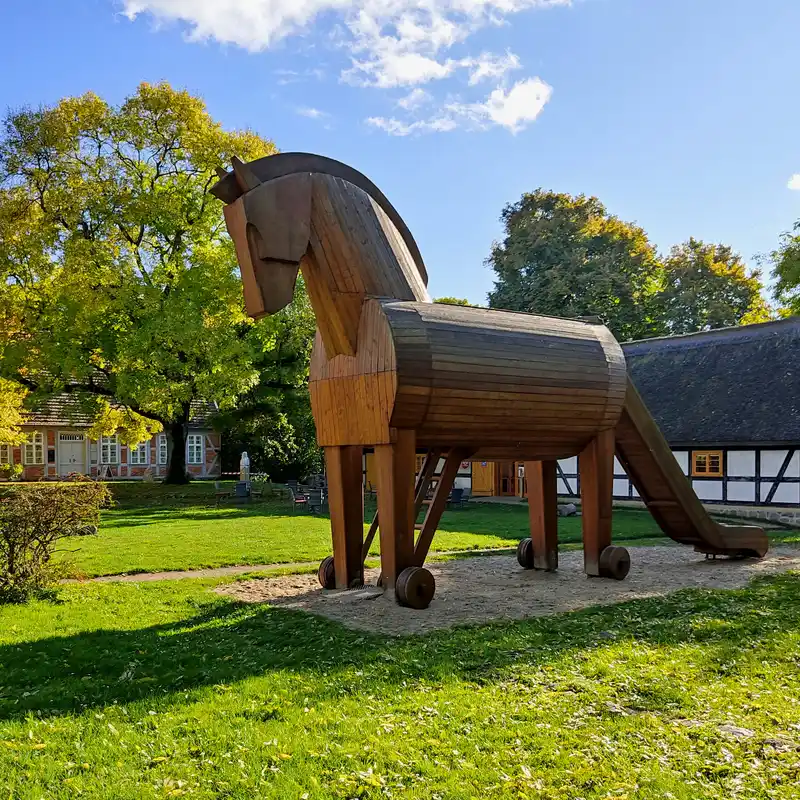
525,554
615,562
415,587
326,574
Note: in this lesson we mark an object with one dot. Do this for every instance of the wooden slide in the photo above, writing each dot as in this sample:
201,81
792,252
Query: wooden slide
644,453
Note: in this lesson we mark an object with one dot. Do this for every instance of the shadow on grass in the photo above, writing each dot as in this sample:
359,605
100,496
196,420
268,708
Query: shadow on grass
231,641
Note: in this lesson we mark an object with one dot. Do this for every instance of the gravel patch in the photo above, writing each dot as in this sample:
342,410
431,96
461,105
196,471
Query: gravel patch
472,591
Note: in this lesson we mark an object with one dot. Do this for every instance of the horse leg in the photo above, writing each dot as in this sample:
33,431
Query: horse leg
541,550
346,501
596,467
396,518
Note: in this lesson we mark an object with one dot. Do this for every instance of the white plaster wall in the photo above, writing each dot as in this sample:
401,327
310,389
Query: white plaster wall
620,487
708,490
618,468
682,457
569,465
741,463
786,493
771,461
562,487
742,491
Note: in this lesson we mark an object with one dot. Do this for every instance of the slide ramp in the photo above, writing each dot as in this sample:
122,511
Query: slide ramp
644,453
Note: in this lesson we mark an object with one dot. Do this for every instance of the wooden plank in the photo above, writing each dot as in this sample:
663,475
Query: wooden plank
596,468
395,468
346,500
543,512
437,506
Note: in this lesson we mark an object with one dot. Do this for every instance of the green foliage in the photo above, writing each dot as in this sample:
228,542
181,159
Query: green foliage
33,518
452,301
272,421
567,256
708,286
12,396
114,261
786,271
168,690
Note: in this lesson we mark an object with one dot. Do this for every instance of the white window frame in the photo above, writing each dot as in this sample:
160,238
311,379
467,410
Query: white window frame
139,454
163,450
192,445
33,450
6,455
109,450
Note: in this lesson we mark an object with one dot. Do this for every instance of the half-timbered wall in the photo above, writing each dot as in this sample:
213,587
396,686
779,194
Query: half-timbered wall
761,476
66,450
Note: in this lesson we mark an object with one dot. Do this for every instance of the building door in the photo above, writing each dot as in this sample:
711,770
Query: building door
506,479
71,453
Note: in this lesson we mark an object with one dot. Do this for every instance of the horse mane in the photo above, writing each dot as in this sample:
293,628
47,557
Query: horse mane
279,165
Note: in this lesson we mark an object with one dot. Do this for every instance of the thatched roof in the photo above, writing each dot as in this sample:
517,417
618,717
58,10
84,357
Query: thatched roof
724,387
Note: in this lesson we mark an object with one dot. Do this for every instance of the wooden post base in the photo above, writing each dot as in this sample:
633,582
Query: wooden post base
596,466
543,512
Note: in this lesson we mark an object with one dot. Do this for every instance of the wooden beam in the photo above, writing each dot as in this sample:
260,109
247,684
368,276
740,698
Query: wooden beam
346,500
543,512
395,466
437,506
596,467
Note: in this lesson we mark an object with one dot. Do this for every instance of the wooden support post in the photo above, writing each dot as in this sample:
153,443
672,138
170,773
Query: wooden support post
596,467
395,466
438,503
346,500
543,511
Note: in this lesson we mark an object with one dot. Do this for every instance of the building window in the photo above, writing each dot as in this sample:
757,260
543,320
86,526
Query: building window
34,449
194,448
163,451
707,463
5,453
140,453
109,450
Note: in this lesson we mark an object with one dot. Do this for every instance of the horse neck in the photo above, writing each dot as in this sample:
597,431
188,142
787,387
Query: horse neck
354,252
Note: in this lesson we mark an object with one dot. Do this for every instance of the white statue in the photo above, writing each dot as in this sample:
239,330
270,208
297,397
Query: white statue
244,467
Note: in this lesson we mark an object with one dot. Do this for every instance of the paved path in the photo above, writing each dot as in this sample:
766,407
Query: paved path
221,572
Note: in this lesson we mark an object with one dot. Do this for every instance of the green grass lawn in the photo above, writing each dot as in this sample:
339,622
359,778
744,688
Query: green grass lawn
152,530
167,690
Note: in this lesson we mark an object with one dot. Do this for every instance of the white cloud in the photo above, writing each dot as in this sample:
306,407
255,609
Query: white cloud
311,113
487,66
414,99
388,44
794,182
513,109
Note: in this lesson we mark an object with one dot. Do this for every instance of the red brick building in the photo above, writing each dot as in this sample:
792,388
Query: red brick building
57,444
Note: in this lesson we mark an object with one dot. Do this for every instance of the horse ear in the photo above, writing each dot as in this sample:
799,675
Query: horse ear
245,176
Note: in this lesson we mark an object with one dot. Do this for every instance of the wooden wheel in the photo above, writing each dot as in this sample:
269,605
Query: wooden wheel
326,574
415,587
525,554
615,562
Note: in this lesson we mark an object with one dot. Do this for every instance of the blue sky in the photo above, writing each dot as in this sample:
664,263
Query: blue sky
679,114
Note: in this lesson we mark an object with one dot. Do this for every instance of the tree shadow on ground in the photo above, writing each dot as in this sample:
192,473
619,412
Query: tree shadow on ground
229,641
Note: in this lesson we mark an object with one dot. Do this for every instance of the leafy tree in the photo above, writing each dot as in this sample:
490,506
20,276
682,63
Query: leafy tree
708,286
12,396
274,425
786,270
567,256
452,301
115,264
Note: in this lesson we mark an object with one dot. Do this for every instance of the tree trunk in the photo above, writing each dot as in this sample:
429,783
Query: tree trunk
176,448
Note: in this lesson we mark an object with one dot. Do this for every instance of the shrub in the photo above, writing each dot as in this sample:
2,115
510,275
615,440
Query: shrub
33,518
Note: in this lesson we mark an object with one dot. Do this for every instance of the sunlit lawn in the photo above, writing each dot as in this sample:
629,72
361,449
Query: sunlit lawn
156,531
167,690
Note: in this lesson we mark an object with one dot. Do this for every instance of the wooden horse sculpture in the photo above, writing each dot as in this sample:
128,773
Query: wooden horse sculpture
394,372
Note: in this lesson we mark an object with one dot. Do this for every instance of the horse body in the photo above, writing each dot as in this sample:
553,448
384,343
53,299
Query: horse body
392,371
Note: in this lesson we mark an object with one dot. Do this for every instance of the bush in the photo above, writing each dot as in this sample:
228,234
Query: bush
33,518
